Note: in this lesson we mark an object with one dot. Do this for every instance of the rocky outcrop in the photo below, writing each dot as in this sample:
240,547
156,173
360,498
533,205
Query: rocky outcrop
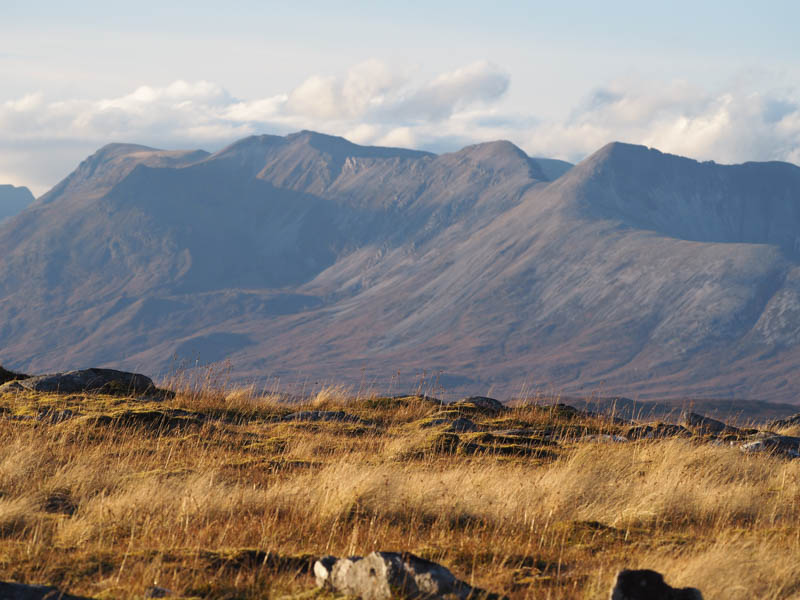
780,445
705,425
385,575
645,584
480,404
106,381
20,591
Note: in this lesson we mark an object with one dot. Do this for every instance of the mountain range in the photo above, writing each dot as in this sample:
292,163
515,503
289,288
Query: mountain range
310,258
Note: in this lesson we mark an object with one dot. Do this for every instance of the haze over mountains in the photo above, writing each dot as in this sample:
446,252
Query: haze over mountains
634,272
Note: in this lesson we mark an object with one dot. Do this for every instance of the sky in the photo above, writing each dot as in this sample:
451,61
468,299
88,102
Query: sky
710,80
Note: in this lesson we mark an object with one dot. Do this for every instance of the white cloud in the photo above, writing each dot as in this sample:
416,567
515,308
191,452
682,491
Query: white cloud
42,139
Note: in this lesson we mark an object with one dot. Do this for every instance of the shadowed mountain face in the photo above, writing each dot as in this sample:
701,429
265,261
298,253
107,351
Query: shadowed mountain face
633,273
13,200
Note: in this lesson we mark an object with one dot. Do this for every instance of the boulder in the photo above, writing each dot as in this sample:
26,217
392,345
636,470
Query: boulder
90,380
20,591
781,445
645,584
480,404
705,425
385,575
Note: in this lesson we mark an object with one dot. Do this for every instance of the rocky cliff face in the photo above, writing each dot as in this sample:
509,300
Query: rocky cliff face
634,272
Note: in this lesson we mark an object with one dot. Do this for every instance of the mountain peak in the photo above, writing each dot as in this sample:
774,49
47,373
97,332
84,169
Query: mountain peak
503,157
13,200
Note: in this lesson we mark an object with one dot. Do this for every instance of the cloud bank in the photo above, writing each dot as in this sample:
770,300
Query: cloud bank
372,103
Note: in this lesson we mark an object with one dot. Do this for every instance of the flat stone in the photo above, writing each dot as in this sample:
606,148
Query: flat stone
645,584
90,380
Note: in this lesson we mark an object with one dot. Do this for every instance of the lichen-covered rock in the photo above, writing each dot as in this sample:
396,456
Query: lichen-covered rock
20,591
645,584
107,381
386,575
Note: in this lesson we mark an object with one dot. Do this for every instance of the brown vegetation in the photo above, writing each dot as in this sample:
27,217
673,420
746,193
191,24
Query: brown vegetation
208,494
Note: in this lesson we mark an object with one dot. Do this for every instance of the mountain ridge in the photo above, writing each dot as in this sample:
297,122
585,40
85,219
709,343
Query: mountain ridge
634,272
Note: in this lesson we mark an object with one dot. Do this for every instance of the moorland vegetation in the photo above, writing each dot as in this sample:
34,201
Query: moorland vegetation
232,493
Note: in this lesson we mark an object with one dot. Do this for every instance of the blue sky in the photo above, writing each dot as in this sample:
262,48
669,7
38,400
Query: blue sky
711,80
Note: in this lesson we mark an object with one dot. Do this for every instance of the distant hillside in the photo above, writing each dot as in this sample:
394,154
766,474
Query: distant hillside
13,200
634,273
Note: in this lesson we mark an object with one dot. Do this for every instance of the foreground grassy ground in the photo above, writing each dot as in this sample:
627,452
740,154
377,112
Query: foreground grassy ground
210,495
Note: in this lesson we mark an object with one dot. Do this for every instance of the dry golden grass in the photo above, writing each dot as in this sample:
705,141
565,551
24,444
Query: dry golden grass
209,495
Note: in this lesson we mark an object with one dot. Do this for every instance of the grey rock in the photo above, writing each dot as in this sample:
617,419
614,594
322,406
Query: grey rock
702,424
322,569
90,380
338,416
385,575
645,584
481,404
781,445
20,591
